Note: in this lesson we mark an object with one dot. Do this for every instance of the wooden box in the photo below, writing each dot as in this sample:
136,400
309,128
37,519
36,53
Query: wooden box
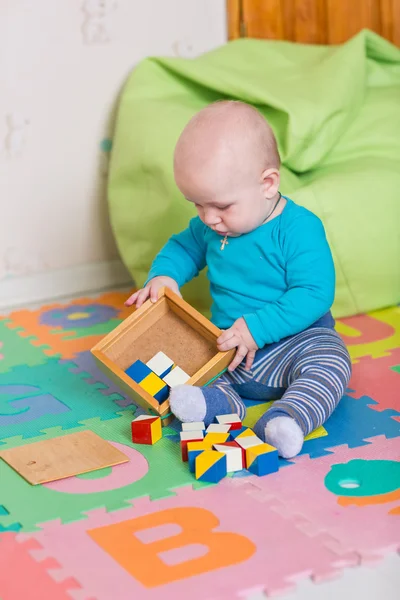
172,326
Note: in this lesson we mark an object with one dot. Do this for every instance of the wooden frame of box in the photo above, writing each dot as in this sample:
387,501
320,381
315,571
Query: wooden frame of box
169,325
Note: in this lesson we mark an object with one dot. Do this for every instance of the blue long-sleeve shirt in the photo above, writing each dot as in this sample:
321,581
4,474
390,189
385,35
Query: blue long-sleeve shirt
280,277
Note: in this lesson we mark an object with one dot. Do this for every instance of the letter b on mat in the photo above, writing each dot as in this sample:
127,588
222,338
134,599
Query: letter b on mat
142,560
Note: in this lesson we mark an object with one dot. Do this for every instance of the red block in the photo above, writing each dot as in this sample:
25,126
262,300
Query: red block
233,426
184,448
146,430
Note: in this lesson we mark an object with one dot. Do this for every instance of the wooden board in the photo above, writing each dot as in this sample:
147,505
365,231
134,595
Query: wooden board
60,457
313,21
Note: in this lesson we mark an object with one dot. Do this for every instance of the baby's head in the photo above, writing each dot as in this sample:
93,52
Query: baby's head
227,163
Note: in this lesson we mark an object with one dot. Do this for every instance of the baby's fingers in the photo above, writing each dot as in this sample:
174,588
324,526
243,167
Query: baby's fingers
225,336
142,297
239,356
132,299
154,289
250,359
230,343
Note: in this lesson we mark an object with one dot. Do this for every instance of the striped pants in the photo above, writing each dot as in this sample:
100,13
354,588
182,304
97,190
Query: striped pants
306,375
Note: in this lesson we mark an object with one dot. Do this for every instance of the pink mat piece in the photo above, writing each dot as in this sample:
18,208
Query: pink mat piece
376,378
369,530
33,579
229,547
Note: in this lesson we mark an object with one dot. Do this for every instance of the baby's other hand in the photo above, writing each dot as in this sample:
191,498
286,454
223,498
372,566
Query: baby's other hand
151,291
238,336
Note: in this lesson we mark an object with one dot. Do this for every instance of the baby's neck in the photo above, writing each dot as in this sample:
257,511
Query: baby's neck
270,206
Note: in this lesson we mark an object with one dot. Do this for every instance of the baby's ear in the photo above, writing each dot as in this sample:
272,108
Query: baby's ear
270,181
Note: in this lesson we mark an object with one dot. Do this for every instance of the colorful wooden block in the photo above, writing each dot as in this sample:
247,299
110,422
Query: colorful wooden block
262,459
146,429
195,426
233,420
249,441
242,432
186,437
210,466
138,371
176,377
217,428
160,364
216,438
193,450
234,455
156,387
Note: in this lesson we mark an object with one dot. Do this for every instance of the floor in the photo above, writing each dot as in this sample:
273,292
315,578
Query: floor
325,523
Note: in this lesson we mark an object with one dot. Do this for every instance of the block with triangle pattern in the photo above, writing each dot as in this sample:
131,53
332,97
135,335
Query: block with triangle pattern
262,459
210,466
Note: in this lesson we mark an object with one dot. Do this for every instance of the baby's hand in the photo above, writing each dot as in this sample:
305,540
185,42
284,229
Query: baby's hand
151,290
238,336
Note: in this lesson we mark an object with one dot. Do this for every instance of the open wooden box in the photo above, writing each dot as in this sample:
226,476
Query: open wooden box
172,326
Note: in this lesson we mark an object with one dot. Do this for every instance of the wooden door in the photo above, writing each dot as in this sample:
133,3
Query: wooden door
313,21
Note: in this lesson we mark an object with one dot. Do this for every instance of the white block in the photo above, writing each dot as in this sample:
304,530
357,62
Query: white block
191,435
216,428
249,441
176,377
195,426
232,418
160,363
234,457
143,418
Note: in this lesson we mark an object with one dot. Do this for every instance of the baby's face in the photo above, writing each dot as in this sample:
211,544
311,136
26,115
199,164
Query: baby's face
230,205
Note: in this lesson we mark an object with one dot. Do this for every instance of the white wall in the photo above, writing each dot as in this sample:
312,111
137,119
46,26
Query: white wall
61,70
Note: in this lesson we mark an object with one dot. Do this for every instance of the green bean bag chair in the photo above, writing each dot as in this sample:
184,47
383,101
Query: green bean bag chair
335,111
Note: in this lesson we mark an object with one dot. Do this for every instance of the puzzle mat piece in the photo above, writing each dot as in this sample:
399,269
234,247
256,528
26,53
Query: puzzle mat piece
371,530
17,351
22,576
375,334
66,342
35,398
379,379
11,526
84,363
352,423
157,470
164,545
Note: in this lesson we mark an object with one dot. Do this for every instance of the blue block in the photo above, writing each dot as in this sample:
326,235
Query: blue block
265,464
167,371
162,395
192,459
138,371
235,432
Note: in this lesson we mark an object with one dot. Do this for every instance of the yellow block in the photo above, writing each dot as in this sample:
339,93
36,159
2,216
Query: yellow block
156,430
152,384
197,446
206,460
245,433
215,438
254,451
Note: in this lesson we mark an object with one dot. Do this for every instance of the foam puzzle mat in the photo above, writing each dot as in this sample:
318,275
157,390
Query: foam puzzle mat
146,529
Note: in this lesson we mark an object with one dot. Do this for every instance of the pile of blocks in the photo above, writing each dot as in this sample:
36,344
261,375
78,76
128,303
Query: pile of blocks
225,447
157,376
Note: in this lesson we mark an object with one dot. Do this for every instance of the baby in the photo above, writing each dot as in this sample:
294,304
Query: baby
271,274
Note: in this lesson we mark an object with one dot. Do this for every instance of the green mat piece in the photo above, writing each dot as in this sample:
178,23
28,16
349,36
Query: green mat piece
335,112
31,505
15,350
